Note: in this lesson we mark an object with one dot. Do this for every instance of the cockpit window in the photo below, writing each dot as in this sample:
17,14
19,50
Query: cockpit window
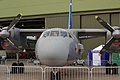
46,34
54,33
63,33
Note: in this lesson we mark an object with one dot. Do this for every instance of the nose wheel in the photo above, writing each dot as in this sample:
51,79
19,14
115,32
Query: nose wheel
55,75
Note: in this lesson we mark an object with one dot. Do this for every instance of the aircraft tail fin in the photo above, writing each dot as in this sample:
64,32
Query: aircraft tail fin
70,16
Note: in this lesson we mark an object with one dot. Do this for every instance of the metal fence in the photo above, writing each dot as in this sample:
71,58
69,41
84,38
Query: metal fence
30,73
3,73
105,73
60,73
66,73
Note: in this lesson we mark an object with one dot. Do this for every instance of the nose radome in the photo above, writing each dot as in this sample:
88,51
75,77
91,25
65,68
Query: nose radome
53,52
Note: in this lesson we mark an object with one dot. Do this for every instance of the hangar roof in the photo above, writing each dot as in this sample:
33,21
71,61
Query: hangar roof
10,8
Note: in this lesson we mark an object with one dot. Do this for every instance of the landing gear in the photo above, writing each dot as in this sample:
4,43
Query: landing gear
17,68
20,68
52,76
108,69
115,69
14,68
55,75
58,76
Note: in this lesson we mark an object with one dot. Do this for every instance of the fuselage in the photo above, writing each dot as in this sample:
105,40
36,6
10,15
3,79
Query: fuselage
57,47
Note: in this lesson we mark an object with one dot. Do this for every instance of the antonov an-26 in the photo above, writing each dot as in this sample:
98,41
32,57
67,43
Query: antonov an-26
56,46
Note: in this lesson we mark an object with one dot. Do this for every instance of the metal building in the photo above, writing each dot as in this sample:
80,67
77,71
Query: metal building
54,13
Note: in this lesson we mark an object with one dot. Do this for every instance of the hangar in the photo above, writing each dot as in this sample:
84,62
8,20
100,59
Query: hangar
42,14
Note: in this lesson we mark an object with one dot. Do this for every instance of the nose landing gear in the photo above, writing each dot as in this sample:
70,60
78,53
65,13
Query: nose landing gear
55,75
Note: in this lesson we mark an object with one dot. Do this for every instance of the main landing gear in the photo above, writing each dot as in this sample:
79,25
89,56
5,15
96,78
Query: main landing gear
55,75
17,67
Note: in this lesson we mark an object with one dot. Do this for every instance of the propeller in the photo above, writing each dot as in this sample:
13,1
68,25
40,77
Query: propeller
107,45
105,24
115,34
14,22
5,32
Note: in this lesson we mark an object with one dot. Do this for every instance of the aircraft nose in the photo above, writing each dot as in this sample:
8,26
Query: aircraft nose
53,52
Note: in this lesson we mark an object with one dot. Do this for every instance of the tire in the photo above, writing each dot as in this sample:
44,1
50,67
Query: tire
21,68
108,70
58,76
115,70
14,69
52,76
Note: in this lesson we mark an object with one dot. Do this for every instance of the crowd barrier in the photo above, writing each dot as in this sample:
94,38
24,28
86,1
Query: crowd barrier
59,73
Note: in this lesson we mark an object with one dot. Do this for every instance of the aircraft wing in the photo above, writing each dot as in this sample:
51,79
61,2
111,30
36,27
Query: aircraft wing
31,32
80,32
88,33
29,43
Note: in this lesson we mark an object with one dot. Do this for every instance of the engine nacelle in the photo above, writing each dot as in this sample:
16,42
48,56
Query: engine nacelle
5,44
9,48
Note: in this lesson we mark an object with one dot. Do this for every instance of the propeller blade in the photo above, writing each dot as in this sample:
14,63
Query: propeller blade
105,24
107,45
15,43
14,22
